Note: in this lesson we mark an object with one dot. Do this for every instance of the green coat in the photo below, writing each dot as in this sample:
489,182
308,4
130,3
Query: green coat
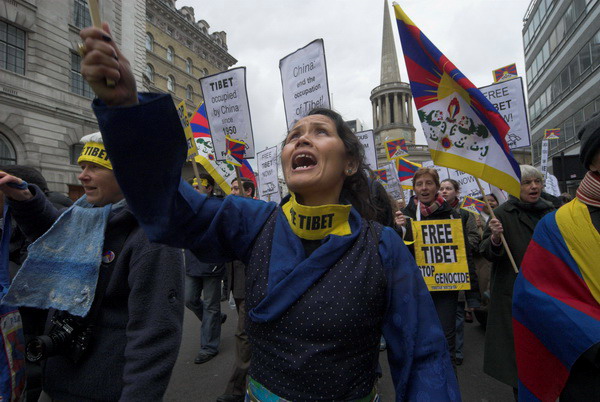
518,224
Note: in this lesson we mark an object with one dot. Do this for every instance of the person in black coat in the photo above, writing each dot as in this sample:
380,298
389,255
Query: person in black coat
428,204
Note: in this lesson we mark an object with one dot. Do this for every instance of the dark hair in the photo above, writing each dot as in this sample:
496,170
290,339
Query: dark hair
247,184
356,187
27,173
209,180
493,195
427,171
454,184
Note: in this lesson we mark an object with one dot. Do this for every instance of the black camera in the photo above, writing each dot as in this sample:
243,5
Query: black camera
69,336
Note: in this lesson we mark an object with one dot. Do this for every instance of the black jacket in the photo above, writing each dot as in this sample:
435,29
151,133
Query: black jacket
193,267
138,329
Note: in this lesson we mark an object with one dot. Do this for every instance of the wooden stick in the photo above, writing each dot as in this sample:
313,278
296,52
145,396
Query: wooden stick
239,181
504,243
196,171
94,7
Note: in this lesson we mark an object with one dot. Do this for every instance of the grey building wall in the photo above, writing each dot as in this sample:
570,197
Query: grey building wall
562,56
41,118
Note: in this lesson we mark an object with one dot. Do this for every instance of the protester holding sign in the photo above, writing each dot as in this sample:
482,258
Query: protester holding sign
322,282
441,249
516,218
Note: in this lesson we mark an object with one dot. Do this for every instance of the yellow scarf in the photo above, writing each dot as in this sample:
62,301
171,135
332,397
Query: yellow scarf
582,239
315,223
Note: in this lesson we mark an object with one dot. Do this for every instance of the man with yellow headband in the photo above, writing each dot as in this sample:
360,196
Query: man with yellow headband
115,297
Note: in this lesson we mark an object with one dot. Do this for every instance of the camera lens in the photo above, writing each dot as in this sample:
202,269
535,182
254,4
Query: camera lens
36,348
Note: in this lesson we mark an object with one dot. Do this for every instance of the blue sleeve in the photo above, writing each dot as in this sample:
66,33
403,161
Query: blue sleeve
417,352
147,149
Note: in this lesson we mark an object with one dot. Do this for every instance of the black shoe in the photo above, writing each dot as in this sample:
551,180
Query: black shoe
203,358
223,318
231,398
459,361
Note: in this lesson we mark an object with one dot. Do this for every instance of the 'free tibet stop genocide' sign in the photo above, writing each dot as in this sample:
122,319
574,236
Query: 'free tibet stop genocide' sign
441,254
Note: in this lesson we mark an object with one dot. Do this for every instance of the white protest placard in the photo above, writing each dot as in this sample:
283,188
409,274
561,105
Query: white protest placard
368,142
393,186
544,158
304,81
442,171
268,183
226,101
551,185
468,184
509,99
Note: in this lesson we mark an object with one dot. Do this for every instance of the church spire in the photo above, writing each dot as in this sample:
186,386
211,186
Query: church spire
390,72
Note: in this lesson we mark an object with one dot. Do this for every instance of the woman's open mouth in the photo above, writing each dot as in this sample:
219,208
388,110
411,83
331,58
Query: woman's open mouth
303,161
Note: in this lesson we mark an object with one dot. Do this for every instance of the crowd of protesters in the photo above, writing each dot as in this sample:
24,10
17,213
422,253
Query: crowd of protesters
101,284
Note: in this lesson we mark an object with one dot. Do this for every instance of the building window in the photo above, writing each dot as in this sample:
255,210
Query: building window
189,92
8,156
12,48
79,86
149,42
170,54
75,153
188,66
171,83
150,17
169,31
81,14
150,72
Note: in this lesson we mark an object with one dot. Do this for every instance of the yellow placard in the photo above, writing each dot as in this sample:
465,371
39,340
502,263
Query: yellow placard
189,135
441,254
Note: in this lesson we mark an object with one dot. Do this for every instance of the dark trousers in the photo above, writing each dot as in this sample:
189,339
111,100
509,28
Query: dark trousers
446,304
237,381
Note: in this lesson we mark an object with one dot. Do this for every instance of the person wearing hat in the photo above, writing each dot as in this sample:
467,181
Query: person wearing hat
116,298
556,302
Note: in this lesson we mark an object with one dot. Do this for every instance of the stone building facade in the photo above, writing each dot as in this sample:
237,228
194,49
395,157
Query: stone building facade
44,102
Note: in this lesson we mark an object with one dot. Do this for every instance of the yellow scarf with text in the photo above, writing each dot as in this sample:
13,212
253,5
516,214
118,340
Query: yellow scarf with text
315,223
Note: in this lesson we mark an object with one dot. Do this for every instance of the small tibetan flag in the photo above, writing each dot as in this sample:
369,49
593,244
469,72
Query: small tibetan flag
406,170
236,150
395,149
552,133
381,175
473,205
505,73
463,129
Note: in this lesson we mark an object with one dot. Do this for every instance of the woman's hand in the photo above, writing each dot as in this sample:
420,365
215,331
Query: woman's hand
400,219
9,185
103,60
497,230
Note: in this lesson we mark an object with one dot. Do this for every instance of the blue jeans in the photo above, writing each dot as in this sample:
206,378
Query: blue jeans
207,309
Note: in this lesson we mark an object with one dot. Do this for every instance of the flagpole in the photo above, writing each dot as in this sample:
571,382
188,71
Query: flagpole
238,173
504,243
196,171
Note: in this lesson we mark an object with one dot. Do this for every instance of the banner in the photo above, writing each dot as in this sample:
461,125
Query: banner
395,149
551,185
508,98
473,205
368,142
544,158
406,170
388,177
442,171
304,81
441,254
468,184
505,73
189,135
227,109
267,174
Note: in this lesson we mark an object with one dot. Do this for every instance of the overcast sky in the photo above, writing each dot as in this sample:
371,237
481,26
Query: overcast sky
476,35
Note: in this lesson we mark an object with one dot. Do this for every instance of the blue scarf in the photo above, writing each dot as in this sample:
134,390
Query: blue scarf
62,266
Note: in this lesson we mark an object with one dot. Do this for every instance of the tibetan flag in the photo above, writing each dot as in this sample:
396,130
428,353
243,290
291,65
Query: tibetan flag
473,205
505,73
236,149
247,172
222,172
381,175
464,130
406,170
552,133
556,301
396,148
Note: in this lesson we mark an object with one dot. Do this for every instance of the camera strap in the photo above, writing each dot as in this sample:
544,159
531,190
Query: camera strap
113,244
